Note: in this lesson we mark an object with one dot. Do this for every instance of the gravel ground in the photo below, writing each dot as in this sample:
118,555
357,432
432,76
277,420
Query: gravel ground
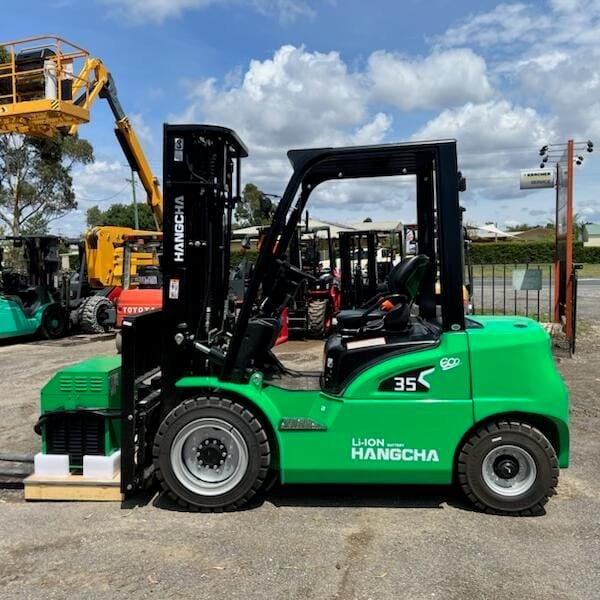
302,542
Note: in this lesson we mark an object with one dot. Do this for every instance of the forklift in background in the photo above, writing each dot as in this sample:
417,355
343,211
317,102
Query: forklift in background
426,398
141,288
31,298
312,308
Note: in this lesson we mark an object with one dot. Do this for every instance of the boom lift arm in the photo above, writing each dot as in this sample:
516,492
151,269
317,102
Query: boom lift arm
103,86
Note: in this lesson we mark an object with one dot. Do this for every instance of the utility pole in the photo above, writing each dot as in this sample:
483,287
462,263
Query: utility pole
565,272
135,207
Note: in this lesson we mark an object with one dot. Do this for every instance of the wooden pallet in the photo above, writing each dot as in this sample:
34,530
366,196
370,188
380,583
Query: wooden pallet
73,487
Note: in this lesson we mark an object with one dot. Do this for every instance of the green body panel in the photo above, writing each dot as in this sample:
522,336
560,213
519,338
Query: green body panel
513,370
368,434
14,322
94,384
373,436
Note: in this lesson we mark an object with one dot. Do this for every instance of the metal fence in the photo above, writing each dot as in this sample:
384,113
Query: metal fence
513,289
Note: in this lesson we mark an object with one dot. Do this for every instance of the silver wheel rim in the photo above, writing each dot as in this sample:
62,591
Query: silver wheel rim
209,457
521,478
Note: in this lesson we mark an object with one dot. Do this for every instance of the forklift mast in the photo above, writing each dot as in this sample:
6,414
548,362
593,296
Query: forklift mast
202,182
40,256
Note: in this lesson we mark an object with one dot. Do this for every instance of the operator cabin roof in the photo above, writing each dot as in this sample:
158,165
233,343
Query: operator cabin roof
591,234
488,232
378,226
334,228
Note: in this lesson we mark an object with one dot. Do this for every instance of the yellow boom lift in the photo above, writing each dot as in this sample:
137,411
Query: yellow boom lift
47,86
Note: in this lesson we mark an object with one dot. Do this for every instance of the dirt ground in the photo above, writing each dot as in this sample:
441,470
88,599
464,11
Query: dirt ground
303,542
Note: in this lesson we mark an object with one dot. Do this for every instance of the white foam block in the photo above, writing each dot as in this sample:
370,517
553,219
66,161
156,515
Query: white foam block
51,465
101,467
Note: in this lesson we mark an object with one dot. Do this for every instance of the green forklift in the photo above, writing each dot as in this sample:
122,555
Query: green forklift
30,299
419,394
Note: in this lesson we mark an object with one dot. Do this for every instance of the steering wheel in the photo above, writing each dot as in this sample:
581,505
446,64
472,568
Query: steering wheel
296,274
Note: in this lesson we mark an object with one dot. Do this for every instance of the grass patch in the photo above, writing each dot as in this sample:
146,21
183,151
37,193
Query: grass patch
590,270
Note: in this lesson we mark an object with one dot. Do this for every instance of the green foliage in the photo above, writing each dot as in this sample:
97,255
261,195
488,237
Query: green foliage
248,210
535,252
236,257
37,225
121,215
35,179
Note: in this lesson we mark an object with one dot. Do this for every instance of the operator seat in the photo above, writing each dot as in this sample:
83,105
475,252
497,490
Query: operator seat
403,284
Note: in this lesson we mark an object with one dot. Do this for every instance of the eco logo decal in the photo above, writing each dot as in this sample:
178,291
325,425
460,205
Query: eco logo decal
411,381
449,362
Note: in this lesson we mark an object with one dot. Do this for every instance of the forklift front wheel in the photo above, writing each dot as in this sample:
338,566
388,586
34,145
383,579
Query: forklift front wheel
211,453
508,468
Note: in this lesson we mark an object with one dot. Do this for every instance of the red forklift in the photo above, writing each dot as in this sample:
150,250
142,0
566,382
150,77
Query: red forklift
141,289
312,309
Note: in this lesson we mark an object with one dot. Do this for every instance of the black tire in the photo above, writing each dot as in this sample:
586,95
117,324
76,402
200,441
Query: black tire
508,468
319,318
181,482
93,314
55,322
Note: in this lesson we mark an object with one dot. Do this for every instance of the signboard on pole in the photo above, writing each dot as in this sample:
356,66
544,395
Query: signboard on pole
533,179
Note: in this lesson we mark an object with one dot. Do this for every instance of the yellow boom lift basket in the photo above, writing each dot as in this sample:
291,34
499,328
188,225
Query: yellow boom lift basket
45,85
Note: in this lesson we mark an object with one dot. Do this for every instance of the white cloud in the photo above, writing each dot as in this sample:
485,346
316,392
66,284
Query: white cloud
158,11
492,126
142,129
441,79
495,140
103,183
506,24
294,98
299,98
552,53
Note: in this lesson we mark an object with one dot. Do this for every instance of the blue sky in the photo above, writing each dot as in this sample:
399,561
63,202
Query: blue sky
502,78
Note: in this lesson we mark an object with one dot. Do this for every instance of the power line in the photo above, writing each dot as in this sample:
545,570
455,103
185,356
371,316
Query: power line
99,201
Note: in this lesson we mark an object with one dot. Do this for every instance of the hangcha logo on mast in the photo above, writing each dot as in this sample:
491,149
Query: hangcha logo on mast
179,230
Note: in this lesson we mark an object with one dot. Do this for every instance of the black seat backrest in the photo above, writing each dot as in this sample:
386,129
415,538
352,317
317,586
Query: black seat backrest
406,277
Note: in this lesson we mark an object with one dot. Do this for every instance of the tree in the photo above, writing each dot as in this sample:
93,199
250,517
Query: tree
121,215
35,178
251,209
37,225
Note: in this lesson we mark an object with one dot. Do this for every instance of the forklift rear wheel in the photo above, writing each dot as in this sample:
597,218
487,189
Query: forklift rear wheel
319,318
508,468
54,322
211,453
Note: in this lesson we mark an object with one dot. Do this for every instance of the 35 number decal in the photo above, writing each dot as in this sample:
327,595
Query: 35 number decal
405,384
410,381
